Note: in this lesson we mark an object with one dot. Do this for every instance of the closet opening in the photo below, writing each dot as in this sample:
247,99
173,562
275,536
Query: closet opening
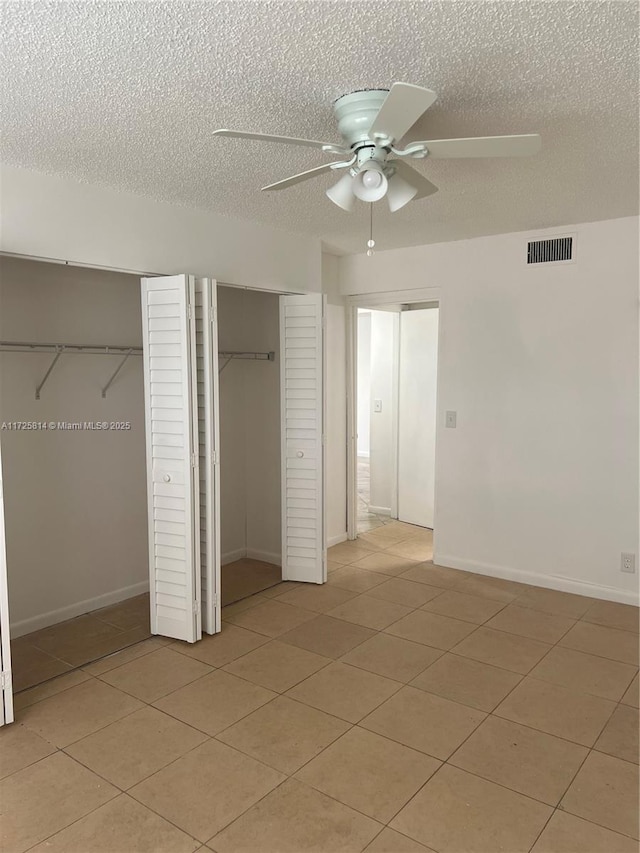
73,458
250,441
156,464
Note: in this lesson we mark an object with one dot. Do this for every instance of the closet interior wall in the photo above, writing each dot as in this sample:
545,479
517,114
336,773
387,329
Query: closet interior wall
75,501
249,427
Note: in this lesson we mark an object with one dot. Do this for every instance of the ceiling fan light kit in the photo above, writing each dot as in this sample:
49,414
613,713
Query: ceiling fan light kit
400,192
371,123
342,193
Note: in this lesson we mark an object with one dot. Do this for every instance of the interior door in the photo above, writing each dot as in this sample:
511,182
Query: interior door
6,698
417,416
302,401
171,409
209,444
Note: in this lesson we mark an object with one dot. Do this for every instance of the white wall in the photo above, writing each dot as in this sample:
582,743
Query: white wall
49,217
336,393
364,384
249,427
384,342
75,502
539,482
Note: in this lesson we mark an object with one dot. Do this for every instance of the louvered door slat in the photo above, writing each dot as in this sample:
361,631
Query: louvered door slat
301,350
172,470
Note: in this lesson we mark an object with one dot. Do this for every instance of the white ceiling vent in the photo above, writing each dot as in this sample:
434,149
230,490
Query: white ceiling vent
552,251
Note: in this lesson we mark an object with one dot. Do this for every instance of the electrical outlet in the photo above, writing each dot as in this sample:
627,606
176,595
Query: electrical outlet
377,405
628,563
450,419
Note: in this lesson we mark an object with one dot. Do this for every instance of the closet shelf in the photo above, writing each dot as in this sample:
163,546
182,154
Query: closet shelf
72,349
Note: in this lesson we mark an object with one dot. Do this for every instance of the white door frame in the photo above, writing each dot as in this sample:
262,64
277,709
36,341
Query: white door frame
352,419
373,301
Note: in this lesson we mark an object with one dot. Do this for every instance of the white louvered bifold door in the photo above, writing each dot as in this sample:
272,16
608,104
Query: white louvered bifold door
302,394
168,324
209,443
6,690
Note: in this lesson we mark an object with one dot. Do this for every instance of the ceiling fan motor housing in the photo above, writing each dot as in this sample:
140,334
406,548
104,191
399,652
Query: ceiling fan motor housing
367,153
355,114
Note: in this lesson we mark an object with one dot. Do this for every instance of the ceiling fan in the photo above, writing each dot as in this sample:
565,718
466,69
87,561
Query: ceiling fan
371,123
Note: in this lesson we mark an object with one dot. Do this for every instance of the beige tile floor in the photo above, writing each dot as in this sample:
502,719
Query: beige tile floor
45,654
246,577
50,652
401,707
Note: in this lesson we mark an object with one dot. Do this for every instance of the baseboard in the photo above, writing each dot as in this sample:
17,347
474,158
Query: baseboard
264,556
336,540
232,556
380,510
562,584
52,617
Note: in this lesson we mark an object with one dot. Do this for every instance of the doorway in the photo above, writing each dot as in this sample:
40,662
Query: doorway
377,414
392,406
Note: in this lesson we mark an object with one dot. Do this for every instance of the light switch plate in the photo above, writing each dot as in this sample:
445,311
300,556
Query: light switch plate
377,405
450,419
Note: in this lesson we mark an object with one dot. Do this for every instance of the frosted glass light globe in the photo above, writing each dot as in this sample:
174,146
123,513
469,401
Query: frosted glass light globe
372,180
370,183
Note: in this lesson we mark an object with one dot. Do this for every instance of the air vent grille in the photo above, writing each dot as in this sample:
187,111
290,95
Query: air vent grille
549,251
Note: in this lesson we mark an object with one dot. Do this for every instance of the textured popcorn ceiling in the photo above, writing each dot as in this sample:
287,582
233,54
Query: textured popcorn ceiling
127,93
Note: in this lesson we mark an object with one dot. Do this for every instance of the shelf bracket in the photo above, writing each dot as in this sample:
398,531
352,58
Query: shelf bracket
115,373
59,351
245,356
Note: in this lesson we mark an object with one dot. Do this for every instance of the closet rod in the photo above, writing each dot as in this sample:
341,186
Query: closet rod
255,356
108,349
87,349
126,352
68,349
229,355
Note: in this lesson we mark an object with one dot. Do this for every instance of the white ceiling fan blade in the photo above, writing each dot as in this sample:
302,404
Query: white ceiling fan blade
485,146
401,109
287,140
414,177
301,176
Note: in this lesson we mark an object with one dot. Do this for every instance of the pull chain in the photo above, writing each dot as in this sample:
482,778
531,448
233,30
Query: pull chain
370,242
